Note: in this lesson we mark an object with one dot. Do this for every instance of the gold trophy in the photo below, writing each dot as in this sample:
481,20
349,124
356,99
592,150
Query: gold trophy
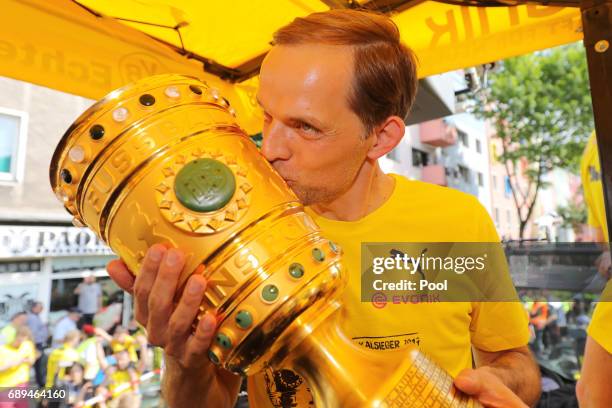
164,161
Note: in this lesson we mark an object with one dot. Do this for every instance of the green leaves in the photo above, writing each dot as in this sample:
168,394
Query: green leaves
540,104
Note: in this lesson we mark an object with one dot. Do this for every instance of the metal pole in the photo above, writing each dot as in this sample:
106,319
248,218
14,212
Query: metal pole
597,28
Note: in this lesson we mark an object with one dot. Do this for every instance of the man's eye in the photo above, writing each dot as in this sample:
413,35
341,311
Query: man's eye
305,127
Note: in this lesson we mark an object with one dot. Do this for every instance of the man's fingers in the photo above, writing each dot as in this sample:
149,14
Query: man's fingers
161,297
179,327
488,389
119,272
196,352
145,280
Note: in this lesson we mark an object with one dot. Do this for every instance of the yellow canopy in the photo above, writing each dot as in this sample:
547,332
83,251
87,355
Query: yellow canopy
445,37
93,46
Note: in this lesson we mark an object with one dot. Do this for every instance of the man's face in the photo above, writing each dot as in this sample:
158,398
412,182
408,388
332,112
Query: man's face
123,360
21,320
311,136
120,337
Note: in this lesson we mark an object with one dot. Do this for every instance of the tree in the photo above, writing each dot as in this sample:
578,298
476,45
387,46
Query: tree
574,215
540,106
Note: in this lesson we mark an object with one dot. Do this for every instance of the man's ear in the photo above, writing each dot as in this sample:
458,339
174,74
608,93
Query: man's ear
386,136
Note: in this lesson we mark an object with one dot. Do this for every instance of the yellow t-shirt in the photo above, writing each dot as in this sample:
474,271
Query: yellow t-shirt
117,378
60,358
590,173
600,328
20,374
415,212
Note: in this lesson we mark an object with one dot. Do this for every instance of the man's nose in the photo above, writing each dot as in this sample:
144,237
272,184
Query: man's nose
274,144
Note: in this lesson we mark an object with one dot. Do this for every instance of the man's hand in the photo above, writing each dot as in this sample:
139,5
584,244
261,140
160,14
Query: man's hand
168,324
190,378
486,387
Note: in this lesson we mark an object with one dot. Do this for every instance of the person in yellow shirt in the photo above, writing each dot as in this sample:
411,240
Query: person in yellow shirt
335,89
62,357
122,382
8,332
590,174
16,359
593,389
123,341
120,340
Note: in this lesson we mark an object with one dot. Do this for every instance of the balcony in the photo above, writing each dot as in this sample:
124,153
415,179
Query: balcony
438,133
434,174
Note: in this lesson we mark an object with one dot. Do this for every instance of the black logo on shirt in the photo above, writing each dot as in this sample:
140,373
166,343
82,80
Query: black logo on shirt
594,175
283,386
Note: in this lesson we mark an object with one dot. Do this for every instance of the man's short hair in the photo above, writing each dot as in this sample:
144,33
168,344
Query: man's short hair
17,314
384,76
23,332
72,335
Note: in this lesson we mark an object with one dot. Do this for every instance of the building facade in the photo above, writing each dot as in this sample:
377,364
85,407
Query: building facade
42,256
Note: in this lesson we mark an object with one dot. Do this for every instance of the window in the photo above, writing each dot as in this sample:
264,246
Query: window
13,133
478,146
463,138
494,179
497,215
508,216
480,179
419,158
507,186
464,173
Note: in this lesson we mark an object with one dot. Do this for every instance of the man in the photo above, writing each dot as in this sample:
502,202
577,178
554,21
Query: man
90,298
121,340
65,325
40,334
62,357
593,389
90,352
335,89
16,358
8,332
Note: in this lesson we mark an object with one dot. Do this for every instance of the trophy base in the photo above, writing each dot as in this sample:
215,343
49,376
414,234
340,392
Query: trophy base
341,374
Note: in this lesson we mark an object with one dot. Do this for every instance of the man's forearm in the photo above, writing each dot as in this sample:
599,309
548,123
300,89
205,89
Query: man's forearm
519,372
198,388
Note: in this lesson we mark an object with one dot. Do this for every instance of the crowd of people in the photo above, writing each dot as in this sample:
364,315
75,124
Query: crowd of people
96,367
556,323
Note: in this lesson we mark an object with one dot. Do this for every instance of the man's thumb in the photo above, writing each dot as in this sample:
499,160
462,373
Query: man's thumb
469,382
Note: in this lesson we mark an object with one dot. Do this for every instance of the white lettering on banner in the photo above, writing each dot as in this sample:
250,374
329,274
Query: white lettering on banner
19,241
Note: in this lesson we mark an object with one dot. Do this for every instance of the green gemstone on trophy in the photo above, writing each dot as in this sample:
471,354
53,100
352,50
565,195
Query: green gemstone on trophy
223,340
213,357
335,249
269,293
244,319
204,185
318,255
296,270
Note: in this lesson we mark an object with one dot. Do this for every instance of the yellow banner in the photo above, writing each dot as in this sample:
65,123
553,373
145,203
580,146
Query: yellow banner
447,37
61,45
